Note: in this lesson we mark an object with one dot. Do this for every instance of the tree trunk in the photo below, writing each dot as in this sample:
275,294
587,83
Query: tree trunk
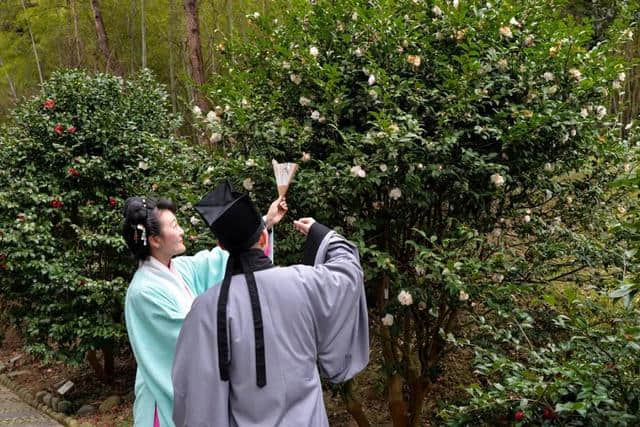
98,370
142,35
103,42
33,44
109,363
354,407
229,5
12,88
172,70
195,51
397,405
76,34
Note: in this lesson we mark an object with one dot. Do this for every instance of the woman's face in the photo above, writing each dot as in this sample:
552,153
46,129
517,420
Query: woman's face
169,242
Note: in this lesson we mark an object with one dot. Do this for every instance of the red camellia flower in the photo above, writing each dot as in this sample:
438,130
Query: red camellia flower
55,203
49,104
71,129
548,413
73,172
113,202
518,416
58,129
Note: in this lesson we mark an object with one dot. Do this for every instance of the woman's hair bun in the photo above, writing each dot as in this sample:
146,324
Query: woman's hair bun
135,209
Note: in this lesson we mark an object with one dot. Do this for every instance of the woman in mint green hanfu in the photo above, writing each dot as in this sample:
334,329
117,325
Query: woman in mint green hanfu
160,296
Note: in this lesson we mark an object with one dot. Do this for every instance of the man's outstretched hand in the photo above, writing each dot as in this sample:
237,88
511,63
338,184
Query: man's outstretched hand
277,211
303,225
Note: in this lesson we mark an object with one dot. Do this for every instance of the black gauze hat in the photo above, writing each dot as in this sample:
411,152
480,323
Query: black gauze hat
231,216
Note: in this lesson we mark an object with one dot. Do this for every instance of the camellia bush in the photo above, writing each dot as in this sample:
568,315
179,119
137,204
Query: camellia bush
68,159
464,146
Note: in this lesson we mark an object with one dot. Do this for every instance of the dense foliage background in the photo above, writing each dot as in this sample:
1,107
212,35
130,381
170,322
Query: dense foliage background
481,155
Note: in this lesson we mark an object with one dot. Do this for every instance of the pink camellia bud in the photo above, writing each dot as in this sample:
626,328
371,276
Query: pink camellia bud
55,203
73,172
113,202
519,415
58,129
49,104
71,129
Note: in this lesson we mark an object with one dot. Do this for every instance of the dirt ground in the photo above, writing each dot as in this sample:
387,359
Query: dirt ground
88,390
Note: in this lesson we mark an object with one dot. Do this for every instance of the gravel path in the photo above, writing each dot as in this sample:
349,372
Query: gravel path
13,411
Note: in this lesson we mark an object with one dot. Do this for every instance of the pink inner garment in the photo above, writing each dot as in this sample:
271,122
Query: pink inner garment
156,420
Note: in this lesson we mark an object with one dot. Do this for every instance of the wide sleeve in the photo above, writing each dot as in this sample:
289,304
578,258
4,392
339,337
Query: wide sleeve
201,398
338,304
202,270
153,325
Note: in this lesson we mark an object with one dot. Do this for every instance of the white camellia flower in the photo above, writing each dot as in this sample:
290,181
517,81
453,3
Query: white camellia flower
456,3
584,113
206,182
358,52
575,74
436,11
196,110
383,168
314,51
248,184
250,163
212,116
358,171
405,298
143,165
529,41
354,16
622,76
506,32
350,220
372,80
387,320
420,271
499,278
295,78
315,115
513,21
215,137
395,193
526,218
527,211
548,167
305,157
304,101
627,167
463,296
194,220
497,180
548,76
569,200
601,111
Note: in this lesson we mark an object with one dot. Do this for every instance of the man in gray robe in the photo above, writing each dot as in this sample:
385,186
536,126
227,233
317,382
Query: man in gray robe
251,350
